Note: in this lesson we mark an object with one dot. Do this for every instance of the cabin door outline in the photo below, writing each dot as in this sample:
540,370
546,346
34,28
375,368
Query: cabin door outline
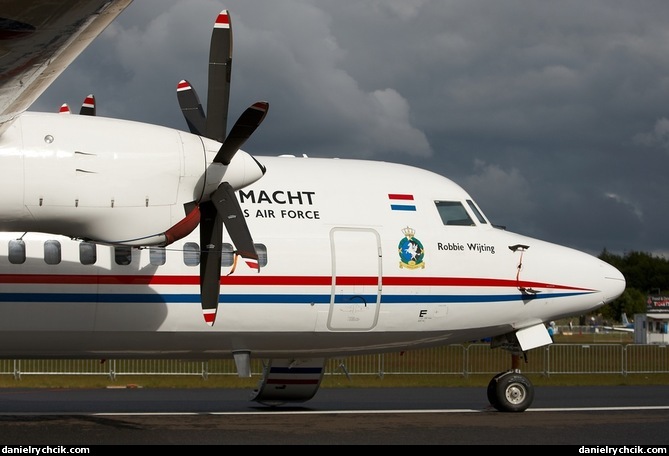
355,299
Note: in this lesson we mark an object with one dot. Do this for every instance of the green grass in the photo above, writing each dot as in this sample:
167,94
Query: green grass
329,381
481,380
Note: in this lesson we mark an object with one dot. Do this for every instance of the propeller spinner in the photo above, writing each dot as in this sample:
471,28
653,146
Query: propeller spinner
221,206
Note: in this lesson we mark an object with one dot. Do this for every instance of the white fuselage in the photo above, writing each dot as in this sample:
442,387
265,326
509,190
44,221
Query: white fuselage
355,258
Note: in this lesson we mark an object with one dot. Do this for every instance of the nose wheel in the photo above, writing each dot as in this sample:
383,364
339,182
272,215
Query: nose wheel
510,391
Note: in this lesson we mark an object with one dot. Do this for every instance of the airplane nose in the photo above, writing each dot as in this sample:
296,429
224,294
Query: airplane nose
614,282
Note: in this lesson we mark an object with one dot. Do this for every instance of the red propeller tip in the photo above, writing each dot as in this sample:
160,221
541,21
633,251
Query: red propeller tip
209,316
223,20
183,85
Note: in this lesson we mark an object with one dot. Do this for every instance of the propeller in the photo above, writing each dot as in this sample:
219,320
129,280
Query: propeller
87,107
221,206
191,108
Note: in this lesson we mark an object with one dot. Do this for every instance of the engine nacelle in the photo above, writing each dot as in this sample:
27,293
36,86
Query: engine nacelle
108,180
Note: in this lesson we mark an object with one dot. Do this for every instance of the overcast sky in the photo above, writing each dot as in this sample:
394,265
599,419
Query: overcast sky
554,116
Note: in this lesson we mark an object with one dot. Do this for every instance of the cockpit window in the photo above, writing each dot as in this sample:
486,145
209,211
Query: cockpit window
476,212
453,213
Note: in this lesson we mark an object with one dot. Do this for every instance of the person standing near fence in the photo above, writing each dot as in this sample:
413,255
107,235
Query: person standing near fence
551,330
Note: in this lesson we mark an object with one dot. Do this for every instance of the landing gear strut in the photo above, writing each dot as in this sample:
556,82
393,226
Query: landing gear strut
510,391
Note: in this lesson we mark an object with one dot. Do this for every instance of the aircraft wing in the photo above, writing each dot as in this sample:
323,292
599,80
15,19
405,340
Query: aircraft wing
619,328
627,326
39,39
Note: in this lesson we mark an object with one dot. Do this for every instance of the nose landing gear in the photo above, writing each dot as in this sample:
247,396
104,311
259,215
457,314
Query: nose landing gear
510,391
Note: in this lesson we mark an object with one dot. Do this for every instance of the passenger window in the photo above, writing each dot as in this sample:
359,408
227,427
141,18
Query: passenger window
261,249
191,254
52,252
122,255
88,253
453,213
227,254
17,251
157,256
476,212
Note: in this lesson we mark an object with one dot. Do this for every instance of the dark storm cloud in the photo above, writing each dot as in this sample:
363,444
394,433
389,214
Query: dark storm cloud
553,115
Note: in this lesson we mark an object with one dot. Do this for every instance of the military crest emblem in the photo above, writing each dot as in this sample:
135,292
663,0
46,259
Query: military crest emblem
410,250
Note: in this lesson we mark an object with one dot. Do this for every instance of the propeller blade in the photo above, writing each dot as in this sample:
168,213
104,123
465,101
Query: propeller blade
88,106
211,238
221,207
231,214
241,131
191,108
220,67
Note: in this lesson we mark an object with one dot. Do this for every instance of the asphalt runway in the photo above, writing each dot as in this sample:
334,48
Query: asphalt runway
600,415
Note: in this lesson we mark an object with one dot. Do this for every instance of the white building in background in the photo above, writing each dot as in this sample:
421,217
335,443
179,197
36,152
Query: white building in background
653,326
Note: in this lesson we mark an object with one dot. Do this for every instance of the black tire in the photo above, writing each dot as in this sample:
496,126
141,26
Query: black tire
513,392
492,389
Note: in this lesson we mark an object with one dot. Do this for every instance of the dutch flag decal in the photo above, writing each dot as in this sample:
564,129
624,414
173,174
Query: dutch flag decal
401,202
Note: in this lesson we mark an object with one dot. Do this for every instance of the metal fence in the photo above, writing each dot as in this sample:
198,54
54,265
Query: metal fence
462,360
